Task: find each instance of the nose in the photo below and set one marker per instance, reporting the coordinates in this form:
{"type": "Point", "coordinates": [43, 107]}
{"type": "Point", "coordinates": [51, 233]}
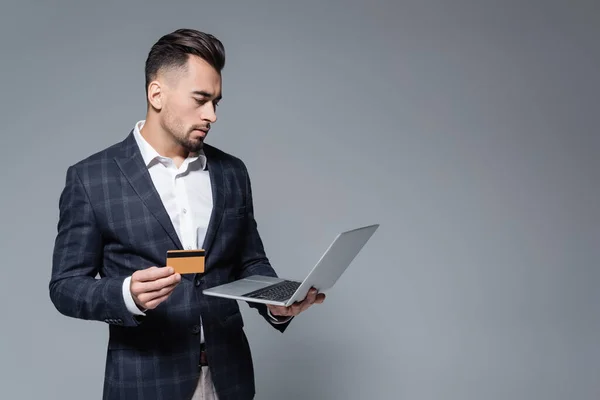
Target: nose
{"type": "Point", "coordinates": [208, 113]}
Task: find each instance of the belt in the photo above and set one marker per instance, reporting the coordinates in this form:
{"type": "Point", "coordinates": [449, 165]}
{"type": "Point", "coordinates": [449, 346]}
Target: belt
{"type": "Point", "coordinates": [203, 358]}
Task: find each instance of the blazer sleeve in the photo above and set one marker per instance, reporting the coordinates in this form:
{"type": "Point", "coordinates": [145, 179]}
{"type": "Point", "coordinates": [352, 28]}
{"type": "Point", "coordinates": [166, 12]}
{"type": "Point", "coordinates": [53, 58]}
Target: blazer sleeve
{"type": "Point", "coordinates": [253, 259]}
{"type": "Point", "coordinates": [77, 259]}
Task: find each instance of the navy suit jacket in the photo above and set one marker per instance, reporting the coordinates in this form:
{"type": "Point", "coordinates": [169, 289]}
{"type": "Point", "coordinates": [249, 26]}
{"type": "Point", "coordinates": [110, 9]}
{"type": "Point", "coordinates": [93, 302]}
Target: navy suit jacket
{"type": "Point", "coordinates": [112, 223]}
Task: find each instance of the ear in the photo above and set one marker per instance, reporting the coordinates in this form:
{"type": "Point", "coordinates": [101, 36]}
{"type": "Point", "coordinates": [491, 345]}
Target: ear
{"type": "Point", "coordinates": [155, 94]}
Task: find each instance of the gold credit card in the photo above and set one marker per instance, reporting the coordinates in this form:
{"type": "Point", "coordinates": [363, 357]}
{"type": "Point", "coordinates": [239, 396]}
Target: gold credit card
{"type": "Point", "coordinates": [186, 261]}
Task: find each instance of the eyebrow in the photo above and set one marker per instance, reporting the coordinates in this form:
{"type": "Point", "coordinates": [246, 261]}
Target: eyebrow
{"type": "Point", "coordinates": [205, 94]}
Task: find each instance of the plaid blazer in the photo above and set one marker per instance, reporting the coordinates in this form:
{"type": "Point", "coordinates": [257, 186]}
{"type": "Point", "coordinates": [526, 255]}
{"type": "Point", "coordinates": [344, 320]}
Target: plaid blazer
{"type": "Point", "coordinates": [112, 223]}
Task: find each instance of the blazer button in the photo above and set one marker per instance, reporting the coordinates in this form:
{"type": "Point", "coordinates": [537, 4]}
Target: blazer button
{"type": "Point", "coordinates": [198, 282]}
{"type": "Point", "coordinates": [196, 329]}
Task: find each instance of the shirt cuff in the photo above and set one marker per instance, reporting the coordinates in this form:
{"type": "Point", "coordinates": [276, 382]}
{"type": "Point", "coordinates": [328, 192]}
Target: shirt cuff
{"type": "Point", "coordinates": [129, 302]}
{"type": "Point", "coordinates": [278, 320]}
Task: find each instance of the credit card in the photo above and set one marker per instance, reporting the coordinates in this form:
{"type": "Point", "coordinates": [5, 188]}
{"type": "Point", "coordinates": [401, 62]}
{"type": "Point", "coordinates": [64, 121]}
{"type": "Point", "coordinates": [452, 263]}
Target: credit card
{"type": "Point", "coordinates": [186, 261]}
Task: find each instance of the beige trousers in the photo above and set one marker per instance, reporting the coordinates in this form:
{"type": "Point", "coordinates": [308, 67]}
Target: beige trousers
{"type": "Point", "coordinates": [205, 389]}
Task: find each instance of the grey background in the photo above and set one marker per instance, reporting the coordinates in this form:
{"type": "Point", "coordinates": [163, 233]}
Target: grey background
{"type": "Point", "coordinates": [469, 130]}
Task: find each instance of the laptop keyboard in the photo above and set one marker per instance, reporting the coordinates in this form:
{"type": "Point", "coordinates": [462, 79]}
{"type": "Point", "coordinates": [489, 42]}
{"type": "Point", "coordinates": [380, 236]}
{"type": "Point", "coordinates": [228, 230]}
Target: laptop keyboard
{"type": "Point", "coordinates": [278, 292]}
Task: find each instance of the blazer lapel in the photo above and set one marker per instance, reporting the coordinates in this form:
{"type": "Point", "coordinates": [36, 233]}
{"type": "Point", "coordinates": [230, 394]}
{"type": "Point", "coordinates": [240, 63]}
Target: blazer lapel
{"type": "Point", "coordinates": [132, 166]}
{"type": "Point", "coordinates": [215, 169]}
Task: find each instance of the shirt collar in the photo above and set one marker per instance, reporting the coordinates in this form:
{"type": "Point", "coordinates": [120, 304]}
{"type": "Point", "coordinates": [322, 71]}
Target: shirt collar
{"type": "Point", "coordinates": [149, 154]}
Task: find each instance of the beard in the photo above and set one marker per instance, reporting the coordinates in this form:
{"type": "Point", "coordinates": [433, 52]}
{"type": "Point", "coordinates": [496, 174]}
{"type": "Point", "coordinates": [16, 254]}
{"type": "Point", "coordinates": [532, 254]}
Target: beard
{"type": "Point", "coordinates": [185, 141]}
{"type": "Point", "coordinates": [181, 135]}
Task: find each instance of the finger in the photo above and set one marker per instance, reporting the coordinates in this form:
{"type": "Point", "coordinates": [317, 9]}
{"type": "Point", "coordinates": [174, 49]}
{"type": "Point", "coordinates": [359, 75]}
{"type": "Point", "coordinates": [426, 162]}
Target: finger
{"type": "Point", "coordinates": [154, 303]}
{"type": "Point", "coordinates": [296, 308]}
{"type": "Point", "coordinates": [305, 305]}
{"type": "Point", "coordinates": [148, 296]}
{"type": "Point", "coordinates": [287, 311]}
{"type": "Point", "coordinates": [152, 286]}
{"type": "Point", "coordinates": [312, 295]}
{"type": "Point", "coordinates": [320, 298]}
{"type": "Point", "coordinates": [152, 274]}
{"type": "Point", "coordinates": [310, 299]}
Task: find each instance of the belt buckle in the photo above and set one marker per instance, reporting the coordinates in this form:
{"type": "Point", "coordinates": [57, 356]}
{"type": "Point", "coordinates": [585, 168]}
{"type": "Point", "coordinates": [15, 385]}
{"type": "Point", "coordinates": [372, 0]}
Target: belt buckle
{"type": "Point", "coordinates": [203, 359]}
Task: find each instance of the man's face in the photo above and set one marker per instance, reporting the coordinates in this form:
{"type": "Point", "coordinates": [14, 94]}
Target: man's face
{"type": "Point", "coordinates": [189, 102]}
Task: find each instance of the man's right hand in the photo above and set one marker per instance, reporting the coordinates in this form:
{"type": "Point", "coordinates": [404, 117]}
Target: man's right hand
{"type": "Point", "coordinates": [151, 286]}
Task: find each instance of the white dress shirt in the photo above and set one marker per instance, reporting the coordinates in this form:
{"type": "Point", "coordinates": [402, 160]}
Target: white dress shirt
{"type": "Point", "coordinates": [186, 194]}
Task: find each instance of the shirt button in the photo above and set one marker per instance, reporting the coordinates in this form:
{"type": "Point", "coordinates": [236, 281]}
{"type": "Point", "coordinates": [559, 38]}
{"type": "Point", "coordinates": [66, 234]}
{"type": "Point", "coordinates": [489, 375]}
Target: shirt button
{"type": "Point", "coordinates": [189, 247]}
{"type": "Point", "coordinates": [184, 211]}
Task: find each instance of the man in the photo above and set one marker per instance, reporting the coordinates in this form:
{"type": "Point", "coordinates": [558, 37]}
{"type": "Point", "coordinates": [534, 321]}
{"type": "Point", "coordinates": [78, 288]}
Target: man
{"type": "Point", "coordinates": [160, 189]}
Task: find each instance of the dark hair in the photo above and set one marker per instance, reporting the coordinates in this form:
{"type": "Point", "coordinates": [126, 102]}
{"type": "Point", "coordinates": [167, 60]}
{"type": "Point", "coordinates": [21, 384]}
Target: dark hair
{"type": "Point", "coordinates": [173, 50]}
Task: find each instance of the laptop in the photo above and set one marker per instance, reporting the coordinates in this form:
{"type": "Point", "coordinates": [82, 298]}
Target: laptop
{"type": "Point", "coordinates": [284, 292]}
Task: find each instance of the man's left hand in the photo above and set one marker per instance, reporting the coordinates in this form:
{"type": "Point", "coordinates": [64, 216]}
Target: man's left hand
{"type": "Point", "coordinates": [311, 298]}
